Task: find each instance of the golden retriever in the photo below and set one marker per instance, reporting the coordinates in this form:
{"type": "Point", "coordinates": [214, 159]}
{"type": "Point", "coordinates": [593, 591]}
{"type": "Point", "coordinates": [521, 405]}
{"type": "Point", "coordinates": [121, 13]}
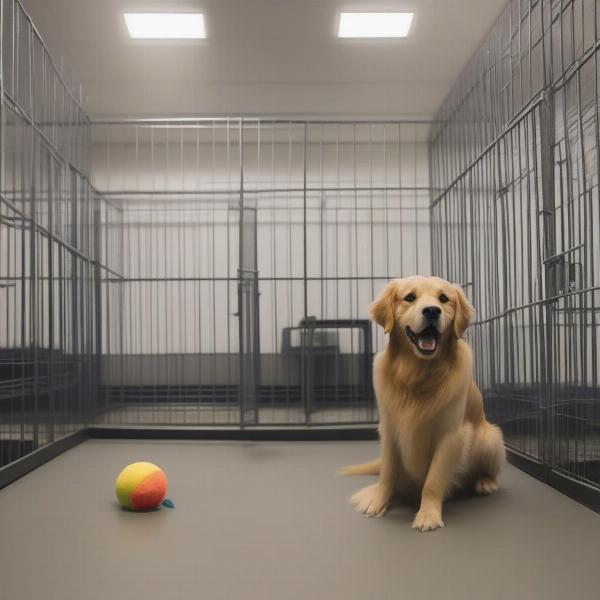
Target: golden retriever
{"type": "Point", "coordinates": [433, 432]}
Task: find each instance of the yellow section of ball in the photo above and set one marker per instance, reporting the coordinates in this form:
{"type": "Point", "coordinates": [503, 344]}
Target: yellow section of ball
{"type": "Point", "coordinates": [129, 478]}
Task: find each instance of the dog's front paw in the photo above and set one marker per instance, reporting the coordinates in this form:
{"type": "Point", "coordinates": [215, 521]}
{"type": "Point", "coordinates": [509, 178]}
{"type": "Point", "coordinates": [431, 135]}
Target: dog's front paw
{"type": "Point", "coordinates": [371, 501]}
{"type": "Point", "coordinates": [428, 520]}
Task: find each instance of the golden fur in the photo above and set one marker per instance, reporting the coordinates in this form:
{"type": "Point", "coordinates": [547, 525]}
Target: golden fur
{"type": "Point", "coordinates": [433, 432]}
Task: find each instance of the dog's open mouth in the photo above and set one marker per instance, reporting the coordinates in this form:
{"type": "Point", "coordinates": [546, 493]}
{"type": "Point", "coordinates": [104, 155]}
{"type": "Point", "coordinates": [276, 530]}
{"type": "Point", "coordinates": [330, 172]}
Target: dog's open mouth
{"type": "Point", "coordinates": [426, 341]}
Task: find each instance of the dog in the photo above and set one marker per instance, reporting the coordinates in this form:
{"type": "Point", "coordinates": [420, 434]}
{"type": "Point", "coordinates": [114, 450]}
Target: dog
{"type": "Point", "coordinates": [434, 436]}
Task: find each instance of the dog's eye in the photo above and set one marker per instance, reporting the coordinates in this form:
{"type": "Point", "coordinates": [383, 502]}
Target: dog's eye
{"type": "Point", "coordinates": [410, 297]}
{"type": "Point", "coordinates": [443, 298]}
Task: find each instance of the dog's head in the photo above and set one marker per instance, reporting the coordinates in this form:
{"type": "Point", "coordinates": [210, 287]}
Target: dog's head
{"type": "Point", "coordinates": [425, 310]}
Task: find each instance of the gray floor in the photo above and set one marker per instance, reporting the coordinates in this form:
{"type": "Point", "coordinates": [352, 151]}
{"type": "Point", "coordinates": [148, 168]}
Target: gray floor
{"type": "Point", "coordinates": [271, 521]}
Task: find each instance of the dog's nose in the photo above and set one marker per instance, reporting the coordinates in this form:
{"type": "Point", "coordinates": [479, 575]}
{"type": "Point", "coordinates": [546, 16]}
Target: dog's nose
{"type": "Point", "coordinates": [431, 313]}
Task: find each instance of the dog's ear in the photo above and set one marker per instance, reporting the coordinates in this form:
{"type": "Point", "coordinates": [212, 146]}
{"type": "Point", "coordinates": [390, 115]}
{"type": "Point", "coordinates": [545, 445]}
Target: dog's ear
{"type": "Point", "coordinates": [464, 312]}
{"type": "Point", "coordinates": [382, 308]}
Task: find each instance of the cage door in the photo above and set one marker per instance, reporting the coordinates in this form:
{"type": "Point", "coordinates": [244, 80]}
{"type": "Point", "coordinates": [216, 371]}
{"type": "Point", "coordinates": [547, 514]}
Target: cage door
{"type": "Point", "coordinates": [248, 318]}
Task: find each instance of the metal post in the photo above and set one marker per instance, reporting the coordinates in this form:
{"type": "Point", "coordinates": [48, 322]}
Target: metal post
{"type": "Point", "coordinates": [97, 370]}
{"type": "Point", "coordinates": [33, 247]}
{"type": "Point", "coordinates": [240, 313]}
{"type": "Point", "coordinates": [307, 360]}
{"type": "Point", "coordinates": [547, 125]}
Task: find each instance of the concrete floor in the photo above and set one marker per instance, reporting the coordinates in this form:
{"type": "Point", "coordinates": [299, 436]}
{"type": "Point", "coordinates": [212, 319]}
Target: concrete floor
{"type": "Point", "coordinates": [271, 521]}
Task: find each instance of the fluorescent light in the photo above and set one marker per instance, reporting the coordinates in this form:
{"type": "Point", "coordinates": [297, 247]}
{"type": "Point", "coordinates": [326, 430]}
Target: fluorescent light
{"type": "Point", "coordinates": [165, 25]}
{"type": "Point", "coordinates": [373, 25]}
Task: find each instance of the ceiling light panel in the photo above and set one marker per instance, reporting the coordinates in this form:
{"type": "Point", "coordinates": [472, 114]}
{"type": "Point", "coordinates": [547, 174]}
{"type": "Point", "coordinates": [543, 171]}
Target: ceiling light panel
{"type": "Point", "coordinates": [374, 25]}
{"type": "Point", "coordinates": [166, 26]}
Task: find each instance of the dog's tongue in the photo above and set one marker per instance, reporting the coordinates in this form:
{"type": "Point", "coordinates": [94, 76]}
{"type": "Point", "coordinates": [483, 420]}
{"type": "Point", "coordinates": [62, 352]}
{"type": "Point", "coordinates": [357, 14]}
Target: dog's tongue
{"type": "Point", "coordinates": [427, 341]}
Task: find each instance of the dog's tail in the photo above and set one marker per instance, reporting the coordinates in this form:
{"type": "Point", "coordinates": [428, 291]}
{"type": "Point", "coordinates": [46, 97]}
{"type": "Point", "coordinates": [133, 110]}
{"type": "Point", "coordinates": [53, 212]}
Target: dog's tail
{"type": "Point", "coordinates": [369, 468]}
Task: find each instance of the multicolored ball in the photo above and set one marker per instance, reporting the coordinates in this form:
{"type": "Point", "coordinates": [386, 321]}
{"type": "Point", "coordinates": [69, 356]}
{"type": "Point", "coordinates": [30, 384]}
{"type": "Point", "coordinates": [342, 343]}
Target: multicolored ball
{"type": "Point", "coordinates": [141, 486]}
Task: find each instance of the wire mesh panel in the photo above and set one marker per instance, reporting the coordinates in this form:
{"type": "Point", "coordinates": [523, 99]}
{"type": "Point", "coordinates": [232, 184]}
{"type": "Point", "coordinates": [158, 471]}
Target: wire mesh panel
{"type": "Point", "coordinates": [249, 252]}
{"type": "Point", "coordinates": [47, 307]}
{"type": "Point", "coordinates": [491, 244]}
{"type": "Point", "coordinates": [575, 267]}
{"type": "Point", "coordinates": [342, 208]}
{"type": "Point", "coordinates": [170, 333]}
{"type": "Point", "coordinates": [515, 219]}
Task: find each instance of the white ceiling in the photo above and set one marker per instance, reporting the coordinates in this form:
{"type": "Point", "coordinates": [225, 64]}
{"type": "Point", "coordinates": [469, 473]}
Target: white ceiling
{"type": "Point", "coordinates": [263, 57]}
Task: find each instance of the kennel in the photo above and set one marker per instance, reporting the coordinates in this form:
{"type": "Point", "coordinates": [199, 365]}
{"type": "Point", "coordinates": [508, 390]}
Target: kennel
{"type": "Point", "coordinates": [246, 251]}
{"type": "Point", "coordinates": [215, 272]}
{"type": "Point", "coordinates": [200, 278]}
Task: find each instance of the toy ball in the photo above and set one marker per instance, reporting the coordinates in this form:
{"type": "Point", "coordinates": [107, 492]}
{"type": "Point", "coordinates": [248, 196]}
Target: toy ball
{"type": "Point", "coordinates": [142, 486]}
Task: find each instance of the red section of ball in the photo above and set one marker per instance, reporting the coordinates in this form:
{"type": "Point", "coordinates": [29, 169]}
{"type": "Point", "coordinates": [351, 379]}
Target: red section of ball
{"type": "Point", "coordinates": [151, 492]}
